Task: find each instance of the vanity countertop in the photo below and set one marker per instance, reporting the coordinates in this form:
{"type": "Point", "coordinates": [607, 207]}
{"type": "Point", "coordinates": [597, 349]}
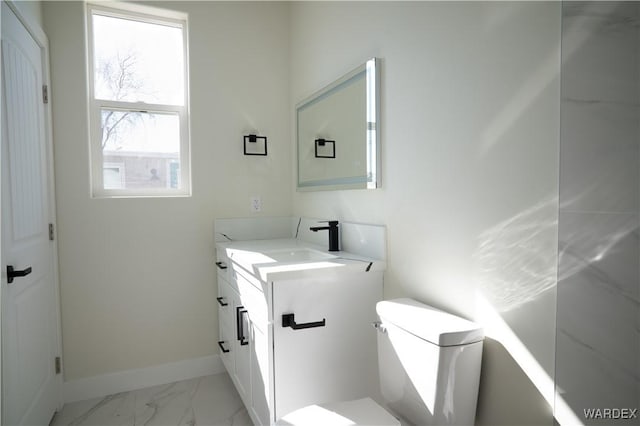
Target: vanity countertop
{"type": "Point", "coordinates": [285, 259]}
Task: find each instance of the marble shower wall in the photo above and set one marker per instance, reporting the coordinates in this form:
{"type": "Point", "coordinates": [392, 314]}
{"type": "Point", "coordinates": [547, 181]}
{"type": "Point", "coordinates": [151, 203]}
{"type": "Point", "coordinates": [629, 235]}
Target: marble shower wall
{"type": "Point", "coordinates": [598, 344]}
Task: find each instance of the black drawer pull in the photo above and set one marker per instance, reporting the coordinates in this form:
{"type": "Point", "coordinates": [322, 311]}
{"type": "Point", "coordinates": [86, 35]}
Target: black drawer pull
{"type": "Point", "coordinates": [288, 320]}
{"type": "Point", "coordinates": [221, 301]}
{"type": "Point", "coordinates": [221, 265]}
{"type": "Point", "coordinates": [222, 348]}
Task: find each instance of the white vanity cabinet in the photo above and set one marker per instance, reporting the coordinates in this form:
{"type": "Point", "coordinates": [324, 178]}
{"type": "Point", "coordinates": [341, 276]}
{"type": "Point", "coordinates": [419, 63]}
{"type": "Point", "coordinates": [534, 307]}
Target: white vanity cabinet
{"type": "Point", "coordinates": [298, 333]}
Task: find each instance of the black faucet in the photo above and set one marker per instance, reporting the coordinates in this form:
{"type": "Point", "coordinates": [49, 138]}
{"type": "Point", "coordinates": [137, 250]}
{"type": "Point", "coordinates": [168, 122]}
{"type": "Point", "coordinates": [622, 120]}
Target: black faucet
{"type": "Point", "coordinates": [333, 234]}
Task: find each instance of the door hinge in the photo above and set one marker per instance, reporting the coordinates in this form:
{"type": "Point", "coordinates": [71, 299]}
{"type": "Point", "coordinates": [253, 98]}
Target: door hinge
{"type": "Point", "coordinates": [45, 94]}
{"type": "Point", "coordinates": [51, 232]}
{"type": "Point", "coordinates": [58, 365]}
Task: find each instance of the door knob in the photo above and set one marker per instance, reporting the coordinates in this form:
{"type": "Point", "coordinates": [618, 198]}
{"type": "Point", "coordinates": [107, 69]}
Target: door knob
{"type": "Point", "coordinates": [12, 273]}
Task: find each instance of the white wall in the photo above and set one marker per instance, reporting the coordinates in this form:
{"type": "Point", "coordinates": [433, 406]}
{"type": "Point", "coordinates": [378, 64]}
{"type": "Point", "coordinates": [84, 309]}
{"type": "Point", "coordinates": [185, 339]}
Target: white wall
{"type": "Point", "coordinates": [137, 275]}
{"type": "Point", "coordinates": [470, 140]}
{"type": "Point", "coordinates": [31, 10]}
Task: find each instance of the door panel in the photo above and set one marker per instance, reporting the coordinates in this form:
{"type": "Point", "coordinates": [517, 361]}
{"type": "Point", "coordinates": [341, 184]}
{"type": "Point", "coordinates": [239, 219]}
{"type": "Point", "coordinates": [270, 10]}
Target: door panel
{"type": "Point", "coordinates": [29, 313]}
{"type": "Point", "coordinates": [339, 358]}
{"type": "Point", "coordinates": [24, 140]}
{"type": "Point", "coordinates": [242, 354]}
{"type": "Point", "coordinates": [259, 374]}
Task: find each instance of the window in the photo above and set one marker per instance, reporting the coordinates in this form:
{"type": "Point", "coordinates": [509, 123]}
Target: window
{"type": "Point", "coordinates": [138, 103]}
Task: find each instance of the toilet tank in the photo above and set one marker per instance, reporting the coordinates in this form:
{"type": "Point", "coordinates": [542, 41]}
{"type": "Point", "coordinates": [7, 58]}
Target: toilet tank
{"type": "Point", "coordinates": [429, 363]}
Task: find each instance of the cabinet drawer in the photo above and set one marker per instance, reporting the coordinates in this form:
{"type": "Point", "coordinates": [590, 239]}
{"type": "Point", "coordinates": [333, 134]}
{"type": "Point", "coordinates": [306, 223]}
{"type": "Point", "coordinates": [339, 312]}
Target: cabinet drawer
{"type": "Point", "coordinates": [222, 263]}
{"type": "Point", "coordinates": [224, 300]}
{"type": "Point", "coordinates": [237, 274]}
{"type": "Point", "coordinates": [254, 301]}
{"type": "Point", "coordinates": [226, 345]}
{"type": "Point", "coordinates": [229, 280]}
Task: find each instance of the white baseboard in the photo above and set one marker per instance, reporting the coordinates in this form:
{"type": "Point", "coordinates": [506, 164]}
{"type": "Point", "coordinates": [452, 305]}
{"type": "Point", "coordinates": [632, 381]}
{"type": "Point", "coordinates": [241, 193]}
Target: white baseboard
{"type": "Point", "coordinates": [124, 381]}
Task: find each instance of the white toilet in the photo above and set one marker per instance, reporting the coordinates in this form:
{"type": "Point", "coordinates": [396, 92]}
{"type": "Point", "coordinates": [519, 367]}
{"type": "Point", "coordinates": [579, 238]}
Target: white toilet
{"type": "Point", "coordinates": [429, 363]}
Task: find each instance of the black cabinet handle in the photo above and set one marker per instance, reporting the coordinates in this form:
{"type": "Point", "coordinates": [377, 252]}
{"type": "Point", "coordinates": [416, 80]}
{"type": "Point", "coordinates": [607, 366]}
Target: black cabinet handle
{"type": "Point", "coordinates": [12, 273]}
{"type": "Point", "coordinates": [222, 348]}
{"type": "Point", "coordinates": [221, 301]}
{"type": "Point", "coordinates": [288, 320]}
{"type": "Point", "coordinates": [240, 310]}
{"type": "Point", "coordinates": [221, 265]}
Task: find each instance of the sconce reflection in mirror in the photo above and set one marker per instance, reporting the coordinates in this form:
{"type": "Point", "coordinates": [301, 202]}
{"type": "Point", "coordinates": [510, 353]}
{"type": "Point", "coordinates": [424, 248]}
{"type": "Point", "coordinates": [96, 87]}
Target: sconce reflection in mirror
{"type": "Point", "coordinates": [325, 148]}
{"type": "Point", "coordinates": [255, 145]}
{"type": "Point", "coordinates": [345, 111]}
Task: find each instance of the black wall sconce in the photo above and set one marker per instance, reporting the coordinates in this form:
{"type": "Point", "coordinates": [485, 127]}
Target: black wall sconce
{"type": "Point", "coordinates": [257, 145]}
{"type": "Point", "coordinates": [325, 148]}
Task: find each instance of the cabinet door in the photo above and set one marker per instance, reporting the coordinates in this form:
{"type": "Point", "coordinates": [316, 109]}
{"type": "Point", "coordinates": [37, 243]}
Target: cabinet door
{"type": "Point", "coordinates": [242, 351]}
{"type": "Point", "coordinates": [332, 362]}
{"type": "Point", "coordinates": [260, 374]}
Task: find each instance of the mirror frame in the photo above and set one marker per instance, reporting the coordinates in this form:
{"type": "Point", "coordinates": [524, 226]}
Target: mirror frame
{"type": "Point", "coordinates": [372, 179]}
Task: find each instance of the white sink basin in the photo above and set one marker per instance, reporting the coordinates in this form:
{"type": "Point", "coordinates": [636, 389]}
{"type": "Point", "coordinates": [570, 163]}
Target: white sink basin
{"type": "Point", "coordinates": [291, 259]}
{"type": "Point", "coordinates": [298, 255]}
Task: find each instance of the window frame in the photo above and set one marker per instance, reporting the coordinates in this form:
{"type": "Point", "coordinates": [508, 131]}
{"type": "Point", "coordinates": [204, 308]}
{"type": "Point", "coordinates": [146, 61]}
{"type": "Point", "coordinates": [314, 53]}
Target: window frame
{"type": "Point", "coordinates": [150, 15]}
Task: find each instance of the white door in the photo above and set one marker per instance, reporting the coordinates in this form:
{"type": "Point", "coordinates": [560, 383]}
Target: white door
{"type": "Point", "coordinates": [30, 389]}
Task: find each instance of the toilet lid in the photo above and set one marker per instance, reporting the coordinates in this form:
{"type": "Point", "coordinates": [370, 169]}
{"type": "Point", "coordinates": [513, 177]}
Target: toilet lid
{"type": "Point", "coordinates": [429, 323]}
{"type": "Point", "coordinates": [363, 411]}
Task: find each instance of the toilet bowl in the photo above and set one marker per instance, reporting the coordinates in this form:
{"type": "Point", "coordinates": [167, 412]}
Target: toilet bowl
{"type": "Point", "coordinates": [429, 365]}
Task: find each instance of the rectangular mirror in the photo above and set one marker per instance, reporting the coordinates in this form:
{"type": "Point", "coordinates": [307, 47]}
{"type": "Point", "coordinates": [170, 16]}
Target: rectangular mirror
{"type": "Point", "coordinates": [338, 133]}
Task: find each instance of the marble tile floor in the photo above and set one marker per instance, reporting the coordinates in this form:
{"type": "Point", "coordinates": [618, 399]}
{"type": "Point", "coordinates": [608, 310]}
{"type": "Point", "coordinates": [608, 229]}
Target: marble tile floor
{"type": "Point", "coordinates": [205, 401]}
